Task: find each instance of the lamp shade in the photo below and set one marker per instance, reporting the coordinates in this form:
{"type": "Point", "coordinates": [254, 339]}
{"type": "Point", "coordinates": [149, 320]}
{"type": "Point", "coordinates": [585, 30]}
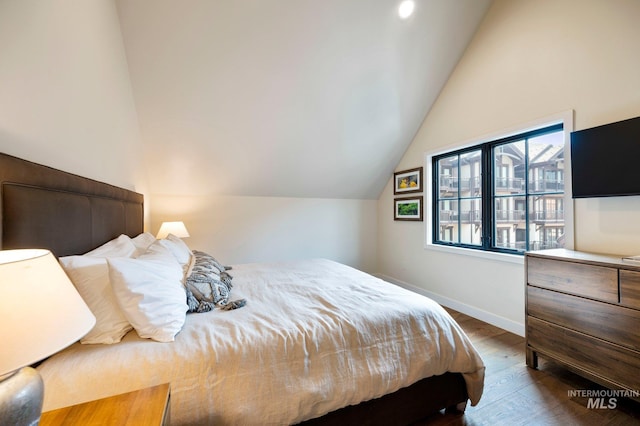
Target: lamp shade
{"type": "Point", "coordinates": [176, 228]}
{"type": "Point", "coordinates": [40, 310]}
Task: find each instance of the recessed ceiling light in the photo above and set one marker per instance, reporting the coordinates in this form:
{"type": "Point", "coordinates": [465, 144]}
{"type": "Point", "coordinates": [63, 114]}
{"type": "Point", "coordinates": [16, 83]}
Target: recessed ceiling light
{"type": "Point", "coordinates": [406, 8]}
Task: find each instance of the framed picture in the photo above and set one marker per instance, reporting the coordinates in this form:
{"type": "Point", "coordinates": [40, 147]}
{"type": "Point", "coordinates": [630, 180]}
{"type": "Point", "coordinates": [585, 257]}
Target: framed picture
{"type": "Point", "coordinates": [407, 181]}
{"type": "Point", "coordinates": [408, 208]}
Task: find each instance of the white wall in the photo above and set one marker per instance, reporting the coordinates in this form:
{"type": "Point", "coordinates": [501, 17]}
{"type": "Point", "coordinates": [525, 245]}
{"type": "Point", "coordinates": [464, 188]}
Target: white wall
{"type": "Point", "coordinates": [66, 101]}
{"type": "Point", "coordinates": [65, 95]}
{"type": "Point", "coordinates": [286, 98]}
{"type": "Point", "coordinates": [529, 59]}
{"type": "Point", "coordinates": [240, 130]}
{"type": "Point", "coordinates": [250, 229]}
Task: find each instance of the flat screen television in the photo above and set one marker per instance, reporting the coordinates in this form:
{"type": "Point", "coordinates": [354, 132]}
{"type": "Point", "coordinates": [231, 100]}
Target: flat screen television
{"type": "Point", "coordinates": [605, 160]}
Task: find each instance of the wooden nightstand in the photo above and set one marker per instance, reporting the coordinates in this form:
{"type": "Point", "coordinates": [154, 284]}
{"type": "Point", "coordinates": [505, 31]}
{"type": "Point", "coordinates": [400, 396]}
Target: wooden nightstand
{"type": "Point", "coordinates": [143, 407]}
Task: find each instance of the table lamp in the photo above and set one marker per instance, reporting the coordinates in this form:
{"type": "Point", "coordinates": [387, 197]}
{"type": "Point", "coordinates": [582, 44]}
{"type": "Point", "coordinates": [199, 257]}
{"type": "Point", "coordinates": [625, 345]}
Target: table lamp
{"type": "Point", "coordinates": [176, 228]}
{"type": "Point", "coordinates": [40, 313]}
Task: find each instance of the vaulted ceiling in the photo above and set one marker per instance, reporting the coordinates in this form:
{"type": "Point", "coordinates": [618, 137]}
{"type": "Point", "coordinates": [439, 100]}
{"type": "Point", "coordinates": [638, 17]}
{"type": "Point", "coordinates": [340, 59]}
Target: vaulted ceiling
{"type": "Point", "coordinates": [292, 98]}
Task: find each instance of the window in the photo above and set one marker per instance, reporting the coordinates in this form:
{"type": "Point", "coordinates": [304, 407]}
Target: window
{"type": "Point", "coordinates": [505, 195]}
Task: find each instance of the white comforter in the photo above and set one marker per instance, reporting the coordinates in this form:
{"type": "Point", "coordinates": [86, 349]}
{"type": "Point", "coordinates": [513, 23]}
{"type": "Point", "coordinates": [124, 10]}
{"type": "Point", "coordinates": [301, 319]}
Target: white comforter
{"type": "Point", "coordinates": [314, 336]}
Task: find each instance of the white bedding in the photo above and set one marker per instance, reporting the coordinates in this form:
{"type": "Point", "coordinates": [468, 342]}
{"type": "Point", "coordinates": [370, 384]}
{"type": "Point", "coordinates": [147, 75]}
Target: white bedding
{"type": "Point", "coordinates": [314, 336]}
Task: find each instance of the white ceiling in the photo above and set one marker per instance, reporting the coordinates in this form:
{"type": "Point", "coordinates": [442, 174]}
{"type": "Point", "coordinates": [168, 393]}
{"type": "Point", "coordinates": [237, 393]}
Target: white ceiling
{"type": "Point", "coordinates": [293, 98]}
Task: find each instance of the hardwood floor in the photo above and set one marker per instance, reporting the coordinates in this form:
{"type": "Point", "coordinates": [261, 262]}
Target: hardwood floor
{"type": "Point", "coordinates": [517, 395]}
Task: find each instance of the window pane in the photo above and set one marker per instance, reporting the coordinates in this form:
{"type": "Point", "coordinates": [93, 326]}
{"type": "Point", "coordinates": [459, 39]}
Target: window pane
{"type": "Point", "coordinates": [510, 223]}
{"type": "Point", "coordinates": [520, 179]}
{"type": "Point", "coordinates": [509, 168]}
{"type": "Point", "coordinates": [546, 222]}
{"type": "Point", "coordinates": [448, 221]}
{"type": "Point", "coordinates": [448, 177]}
{"type": "Point", "coordinates": [471, 221]}
{"type": "Point", "coordinates": [471, 174]}
{"type": "Point", "coordinates": [546, 163]}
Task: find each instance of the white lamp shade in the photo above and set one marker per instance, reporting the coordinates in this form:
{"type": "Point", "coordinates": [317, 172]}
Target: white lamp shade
{"type": "Point", "coordinates": [41, 312]}
{"type": "Point", "coordinates": [176, 228]}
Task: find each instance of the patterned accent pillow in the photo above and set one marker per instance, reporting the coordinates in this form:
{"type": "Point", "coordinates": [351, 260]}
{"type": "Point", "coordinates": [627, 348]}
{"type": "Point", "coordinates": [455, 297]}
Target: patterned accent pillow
{"type": "Point", "coordinates": [211, 261]}
{"type": "Point", "coordinates": [209, 285]}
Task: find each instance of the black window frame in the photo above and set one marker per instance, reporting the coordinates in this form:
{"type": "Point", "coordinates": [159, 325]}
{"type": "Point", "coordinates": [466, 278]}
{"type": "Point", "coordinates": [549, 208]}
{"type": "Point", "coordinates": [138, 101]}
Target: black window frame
{"type": "Point", "coordinates": [488, 225]}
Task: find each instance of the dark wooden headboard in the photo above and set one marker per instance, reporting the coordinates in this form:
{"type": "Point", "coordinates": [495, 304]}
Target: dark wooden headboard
{"type": "Point", "coordinates": [41, 207]}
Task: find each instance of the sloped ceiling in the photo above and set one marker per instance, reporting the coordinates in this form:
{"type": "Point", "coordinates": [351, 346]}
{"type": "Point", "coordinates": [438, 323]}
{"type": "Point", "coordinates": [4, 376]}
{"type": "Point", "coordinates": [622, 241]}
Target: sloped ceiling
{"type": "Point", "coordinates": [293, 98]}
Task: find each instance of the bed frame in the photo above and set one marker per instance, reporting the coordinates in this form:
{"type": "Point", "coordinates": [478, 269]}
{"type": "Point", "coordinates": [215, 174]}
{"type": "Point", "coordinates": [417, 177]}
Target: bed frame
{"type": "Point", "coordinates": [41, 207]}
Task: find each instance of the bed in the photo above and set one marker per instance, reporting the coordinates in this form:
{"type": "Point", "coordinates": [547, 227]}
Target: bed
{"type": "Point", "coordinates": [318, 342]}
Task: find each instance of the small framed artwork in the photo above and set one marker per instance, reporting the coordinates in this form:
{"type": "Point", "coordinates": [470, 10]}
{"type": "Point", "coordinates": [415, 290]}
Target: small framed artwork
{"type": "Point", "coordinates": [407, 181]}
{"type": "Point", "coordinates": [408, 208]}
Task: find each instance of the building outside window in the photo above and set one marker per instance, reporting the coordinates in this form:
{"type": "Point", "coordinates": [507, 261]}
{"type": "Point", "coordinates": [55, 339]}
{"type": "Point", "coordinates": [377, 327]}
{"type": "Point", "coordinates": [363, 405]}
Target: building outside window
{"type": "Point", "coordinates": [505, 195]}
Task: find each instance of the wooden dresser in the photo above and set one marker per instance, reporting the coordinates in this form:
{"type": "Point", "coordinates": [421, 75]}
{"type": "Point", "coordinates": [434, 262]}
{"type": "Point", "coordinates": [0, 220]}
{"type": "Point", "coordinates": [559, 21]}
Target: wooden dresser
{"type": "Point", "coordinates": [583, 311]}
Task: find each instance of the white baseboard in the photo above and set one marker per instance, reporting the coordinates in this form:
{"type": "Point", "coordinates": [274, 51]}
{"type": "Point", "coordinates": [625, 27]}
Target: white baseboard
{"type": "Point", "coordinates": [482, 315]}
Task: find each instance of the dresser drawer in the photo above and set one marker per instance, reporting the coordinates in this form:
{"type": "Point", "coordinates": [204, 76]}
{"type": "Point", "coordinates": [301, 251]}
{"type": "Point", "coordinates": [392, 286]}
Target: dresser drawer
{"type": "Point", "coordinates": [630, 288]}
{"type": "Point", "coordinates": [608, 322]}
{"type": "Point", "coordinates": [596, 282]}
{"type": "Point", "coordinates": [614, 364]}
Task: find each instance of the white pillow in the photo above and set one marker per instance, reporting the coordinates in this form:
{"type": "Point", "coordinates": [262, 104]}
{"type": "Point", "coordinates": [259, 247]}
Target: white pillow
{"type": "Point", "coordinates": [90, 275]}
{"type": "Point", "coordinates": [118, 247]}
{"type": "Point", "coordinates": [142, 242]}
{"type": "Point", "coordinates": [149, 291]}
{"type": "Point", "coordinates": [181, 252]}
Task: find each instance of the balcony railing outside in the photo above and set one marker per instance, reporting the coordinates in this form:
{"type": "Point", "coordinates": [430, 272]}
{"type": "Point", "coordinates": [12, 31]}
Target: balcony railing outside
{"type": "Point", "coordinates": [509, 184]}
{"type": "Point", "coordinates": [452, 216]}
{"type": "Point", "coordinates": [546, 216]}
{"type": "Point", "coordinates": [546, 185]}
{"type": "Point", "coordinates": [533, 245]}
{"type": "Point", "coordinates": [510, 215]}
{"type": "Point", "coordinates": [449, 184]}
{"type": "Point", "coordinates": [502, 216]}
